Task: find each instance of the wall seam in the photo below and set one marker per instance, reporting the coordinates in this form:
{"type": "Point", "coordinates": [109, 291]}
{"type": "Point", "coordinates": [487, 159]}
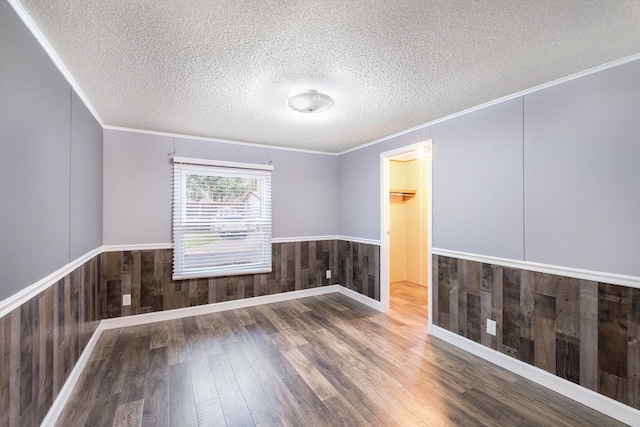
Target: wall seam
{"type": "Point", "coordinates": [70, 168]}
{"type": "Point", "coordinates": [524, 234]}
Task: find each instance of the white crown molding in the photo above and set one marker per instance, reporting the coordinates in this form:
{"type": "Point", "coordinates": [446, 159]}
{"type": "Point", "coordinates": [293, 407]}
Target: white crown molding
{"type": "Point", "coordinates": [360, 240]}
{"type": "Point", "coordinates": [48, 48]}
{"type": "Point", "coordinates": [70, 383]}
{"type": "Point", "coordinates": [222, 141]}
{"type": "Point", "coordinates": [596, 276]}
{"type": "Point", "coordinates": [16, 300]}
{"type": "Point", "coordinates": [524, 92]}
{"type": "Point", "coordinates": [607, 406]}
{"type": "Point", "coordinates": [32, 27]}
{"type": "Point", "coordinates": [142, 247]}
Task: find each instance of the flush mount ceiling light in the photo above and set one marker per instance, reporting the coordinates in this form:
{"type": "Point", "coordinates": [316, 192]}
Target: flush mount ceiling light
{"type": "Point", "coordinates": [310, 102]}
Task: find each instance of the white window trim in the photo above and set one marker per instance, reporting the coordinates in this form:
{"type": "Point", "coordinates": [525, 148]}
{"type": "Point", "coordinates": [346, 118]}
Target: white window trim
{"type": "Point", "coordinates": [221, 163]}
{"type": "Point", "coordinates": [178, 245]}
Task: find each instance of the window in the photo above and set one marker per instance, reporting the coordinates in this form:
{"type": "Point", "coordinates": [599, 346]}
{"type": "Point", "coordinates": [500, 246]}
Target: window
{"type": "Point", "coordinates": [221, 218]}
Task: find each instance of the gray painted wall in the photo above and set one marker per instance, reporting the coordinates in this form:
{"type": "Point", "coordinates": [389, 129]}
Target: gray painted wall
{"type": "Point", "coordinates": [137, 188]}
{"type": "Point", "coordinates": [359, 193]}
{"type": "Point", "coordinates": [304, 185]}
{"type": "Point", "coordinates": [551, 177]}
{"type": "Point", "coordinates": [138, 174]}
{"type": "Point", "coordinates": [577, 191]}
{"type": "Point", "coordinates": [582, 173]}
{"type": "Point", "coordinates": [359, 185]}
{"type": "Point", "coordinates": [477, 182]}
{"type": "Point", "coordinates": [86, 180]}
{"type": "Point", "coordinates": [37, 166]}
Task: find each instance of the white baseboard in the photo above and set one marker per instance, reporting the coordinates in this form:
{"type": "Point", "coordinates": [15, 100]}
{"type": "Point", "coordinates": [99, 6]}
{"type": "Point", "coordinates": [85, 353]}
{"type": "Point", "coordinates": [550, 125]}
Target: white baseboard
{"type": "Point", "coordinates": [70, 383]}
{"type": "Point", "coordinates": [141, 319]}
{"type": "Point", "coordinates": [360, 298]}
{"type": "Point", "coordinates": [607, 406]}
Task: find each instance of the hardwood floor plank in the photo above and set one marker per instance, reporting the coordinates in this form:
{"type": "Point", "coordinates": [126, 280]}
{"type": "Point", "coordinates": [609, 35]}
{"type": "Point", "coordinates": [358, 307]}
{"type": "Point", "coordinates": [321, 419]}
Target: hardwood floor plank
{"type": "Point", "coordinates": [306, 369]}
{"type": "Point", "coordinates": [344, 412]}
{"type": "Point", "coordinates": [204, 387]}
{"type": "Point", "coordinates": [135, 370]}
{"type": "Point", "coordinates": [255, 396]}
{"type": "Point", "coordinates": [290, 412]}
{"type": "Point", "coordinates": [210, 413]}
{"type": "Point", "coordinates": [305, 397]}
{"type": "Point", "coordinates": [182, 408]}
{"type": "Point", "coordinates": [276, 422]}
{"type": "Point", "coordinates": [347, 389]}
{"type": "Point", "coordinates": [102, 411]}
{"type": "Point", "coordinates": [129, 414]}
{"type": "Point", "coordinates": [233, 404]}
{"type": "Point", "coordinates": [155, 411]}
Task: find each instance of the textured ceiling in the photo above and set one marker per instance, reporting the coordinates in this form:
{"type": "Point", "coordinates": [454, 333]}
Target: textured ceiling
{"type": "Point", "coordinates": [224, 69]}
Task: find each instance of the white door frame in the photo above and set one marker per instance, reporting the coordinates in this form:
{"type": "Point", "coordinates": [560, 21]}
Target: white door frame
{"type": "Point", "coordinates": [384, 221]}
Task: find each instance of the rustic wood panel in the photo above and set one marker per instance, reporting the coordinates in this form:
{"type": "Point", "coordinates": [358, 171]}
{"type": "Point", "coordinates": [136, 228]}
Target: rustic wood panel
{"type": "Point", "coordinates": [359, 266]}
{"type": "Point", "coordinates": [295, 265]}
{"type": "Point", "coordinates": [583, 331]}
{"type": "Point", "coordinates": [568, 358]}
{"type": "Point", "coordinates": [435, 274]}
{"type": "Point", "coordinates": [511, 314]}
{"type": "Point", "coordinates": [614, 303]}
{"type": "Point", "coordinates": [496, 306]}
{"type": "Point", "coordinates": [589, 334]}
{"type": "Point", "coordinates": [41, 341]}
{"type": "Point", "coordinates": [568, 307]}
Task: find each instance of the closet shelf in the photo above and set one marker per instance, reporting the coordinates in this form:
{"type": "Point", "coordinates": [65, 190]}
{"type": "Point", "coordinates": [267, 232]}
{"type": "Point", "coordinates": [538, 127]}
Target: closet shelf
{"type": "Point", "coordinates": [406, 194]}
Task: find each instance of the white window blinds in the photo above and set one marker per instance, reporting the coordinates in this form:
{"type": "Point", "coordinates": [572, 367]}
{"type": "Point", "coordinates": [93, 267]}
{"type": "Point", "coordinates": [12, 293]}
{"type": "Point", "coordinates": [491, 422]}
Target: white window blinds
{"type": "Point", "coordinates": [221, 218]}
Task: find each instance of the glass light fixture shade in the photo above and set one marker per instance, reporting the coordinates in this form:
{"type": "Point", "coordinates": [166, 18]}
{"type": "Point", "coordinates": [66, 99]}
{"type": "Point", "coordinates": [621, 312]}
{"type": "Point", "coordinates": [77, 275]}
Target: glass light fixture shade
{"type": "Point", "coordinates": [310, 101]}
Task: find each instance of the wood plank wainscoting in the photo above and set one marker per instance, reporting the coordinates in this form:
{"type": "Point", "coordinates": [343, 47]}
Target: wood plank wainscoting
{"type": "Point", "coordinates": [580, 330]}
{"type": "Point", "coordinates": [42, 339]}
{"type": "Point", "coordinates": [146, 275]}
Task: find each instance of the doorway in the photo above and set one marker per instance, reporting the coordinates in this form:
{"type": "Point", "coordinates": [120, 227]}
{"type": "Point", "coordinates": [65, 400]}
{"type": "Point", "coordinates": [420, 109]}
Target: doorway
{"type": "Point", "coordinates": [405, 255]}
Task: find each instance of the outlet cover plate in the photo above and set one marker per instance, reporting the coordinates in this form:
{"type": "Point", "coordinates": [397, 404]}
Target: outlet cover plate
{"type": "Point", "coordinates": [328, 274]}
{"type": "Point", "coordinates": [126, 299]}
{"type": "Point", "coordinates": [491, 327]}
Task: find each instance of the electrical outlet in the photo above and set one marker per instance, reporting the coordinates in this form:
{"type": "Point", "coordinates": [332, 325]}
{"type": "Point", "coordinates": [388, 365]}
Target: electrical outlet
{"type": "Point", "coordinates": [491, 327]}
{"type": "Point", "coordinates": [126, 299]}
{"type": "Point", "coordinates": [328, 274]}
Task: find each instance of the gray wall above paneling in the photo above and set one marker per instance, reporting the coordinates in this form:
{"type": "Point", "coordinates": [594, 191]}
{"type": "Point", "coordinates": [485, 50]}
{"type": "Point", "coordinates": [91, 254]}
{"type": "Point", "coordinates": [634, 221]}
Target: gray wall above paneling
{"type": "Point", "coordinates": [138, 180]}
{"type": "Point", "coordinates": [304, 190]}
{"type": "Point", "coordinates": [304, 185]}
{"type": "Point", "coordinates": [359, 193]}
{"type": "Point", "coordinates": [35, 113]}
{"type": "Point", "coordinates": [477, 182]}
{"type": "Point", "coordinates": [582, 179]}
{"type": "Point", "coordinates": [359, 185]}
{"type": "Point", "coordinates": [137, 188]}
{"type": "Point", "coordinates": [50, 167]}
{"type": "Point", "coordinates": [86, 180]}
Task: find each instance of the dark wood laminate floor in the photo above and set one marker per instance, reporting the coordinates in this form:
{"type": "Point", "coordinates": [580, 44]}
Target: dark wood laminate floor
{"type": "Point", "coordinates": [319, 361]}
